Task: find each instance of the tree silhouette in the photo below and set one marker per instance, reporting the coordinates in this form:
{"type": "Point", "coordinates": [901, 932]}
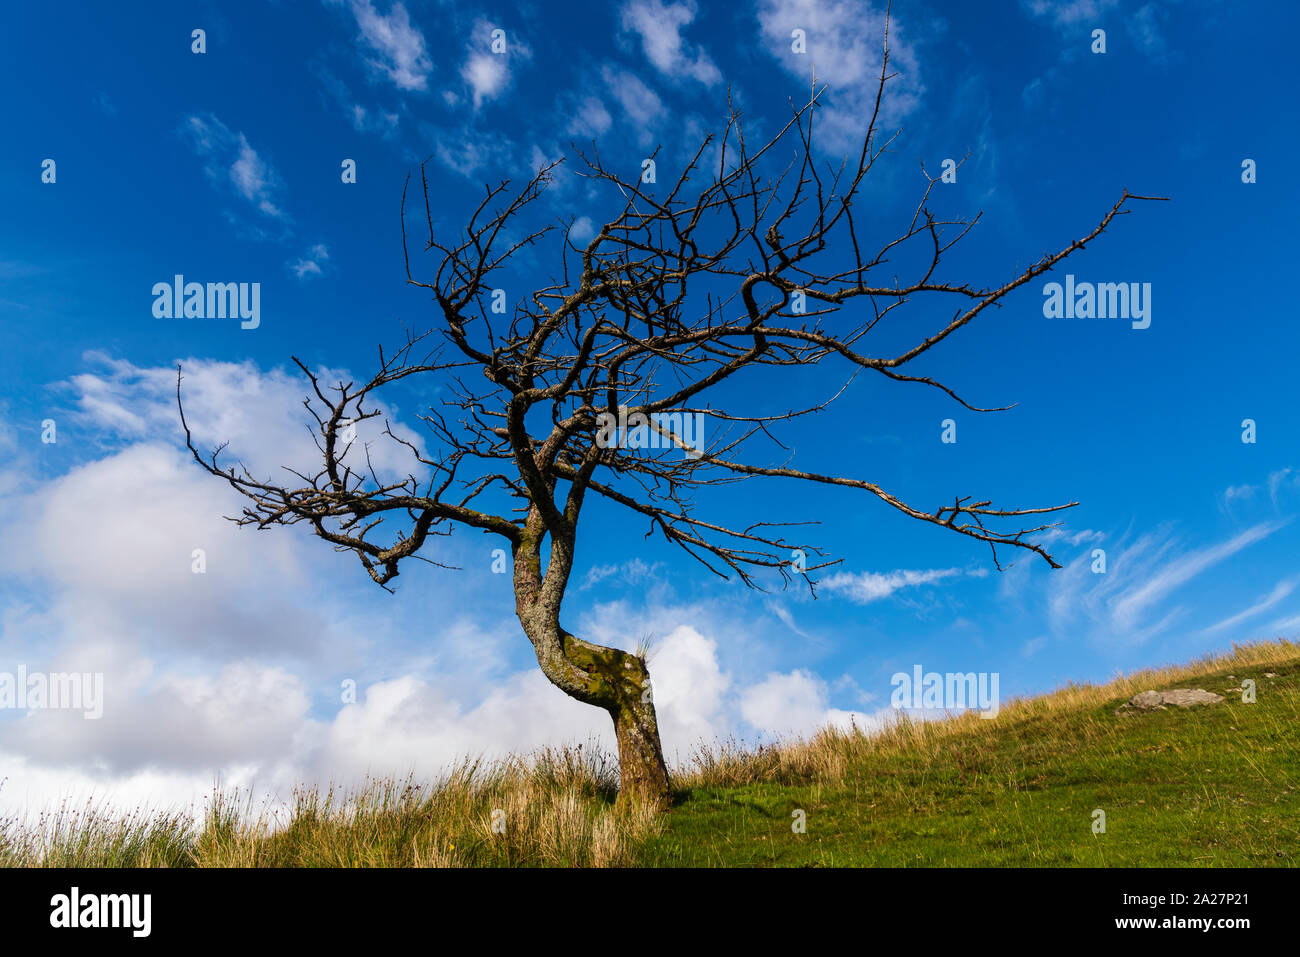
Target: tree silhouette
{"type": "Point", "coordinates": [588, 387]}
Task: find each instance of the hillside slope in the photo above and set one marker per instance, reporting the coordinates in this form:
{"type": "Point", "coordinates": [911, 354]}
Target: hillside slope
{"type": "Point", "coordinates": [1211, 786]}
{"type": "Point", "coordinates": [1214, 786]}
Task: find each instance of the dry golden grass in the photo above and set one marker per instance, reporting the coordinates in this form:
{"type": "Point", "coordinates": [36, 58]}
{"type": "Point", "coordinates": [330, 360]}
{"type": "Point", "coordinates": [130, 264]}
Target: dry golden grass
{"type": "Point", "coordinates": [555, 808]}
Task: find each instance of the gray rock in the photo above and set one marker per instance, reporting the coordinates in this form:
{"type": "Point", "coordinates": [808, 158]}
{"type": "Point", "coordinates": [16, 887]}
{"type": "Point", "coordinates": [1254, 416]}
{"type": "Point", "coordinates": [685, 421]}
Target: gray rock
{"type": "Point", "coordinates": [1176, 697]}
{"type": "Point", "coordinates": [1147, 701]}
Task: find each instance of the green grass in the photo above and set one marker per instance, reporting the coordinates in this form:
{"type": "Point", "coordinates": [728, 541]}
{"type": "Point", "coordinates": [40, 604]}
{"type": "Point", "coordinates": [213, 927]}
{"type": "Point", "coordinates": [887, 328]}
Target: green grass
{"type": "Point", "coordinates": [1215, 786]}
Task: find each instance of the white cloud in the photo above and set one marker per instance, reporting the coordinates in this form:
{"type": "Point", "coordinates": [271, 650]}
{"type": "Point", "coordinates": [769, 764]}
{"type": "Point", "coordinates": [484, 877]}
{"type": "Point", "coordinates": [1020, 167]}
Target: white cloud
{"type": "Point", "coordinates": [409, 725]}
{"type": "Point", "coordinates": [845, 40]}
{"type": "Point", "coordinates": [784, 615]}
{"type": "Point", "coordinates": [659, 25]}
{"type": "Point", "coordinates": [1080, 17]}
{"type": "Point", "coordinates": [1280, 591]}
{"type": "Point", "coordinates": [640, 104]}
{"type": "Point", "coordinates": [488, 72]}
{"type": "Point", "coordinates": [1085, 536]}
{"type": "Point", "coordinates": [259, 413]}
{"type": "Point", "coordinates": [1131, 605]}
{"type": "Point", "coordinates": [363, 119]}
{"type": "Point", "coordinates": [1286, 627]}
{"type": "Point", "coordinates": [373, 121]}
{"type": "Point", "coordinates": [590, 118]}
{"type": "Point", "coordinates": [243, 714]}
{"type": "Point", "coordinates": [796, 704]}
{"type": "Point", "coordinates": [230, 158]}
{"type": "Point", "coordinates": [1234, 492]}
{"type": "Point", "coordinates": [397, 44]}
{"type": "Point", "coordinates": [233, 675]}
{"type": "Point", "coordinates": [866, 587]}
{"type": "Point", "coordinates": [1136, 596]}
{"type": "Point", "coordinates": [690, 689]}
{"type": "Point", "coordinates": [167, 737]}
{"type": "Point", "coordinates": [634, 571]}
{"type": "Point", "coordinates": [249, 174]}
{"type": "Point", "coordinates": [582, 229]}
{"type": "Point", "coordinates": [310, 264]}
{"type": "Point", "coordinates": [1282, 480]}
{"type": "Point", "coordinates": [1278, 481]}
{"type": "Point", "coordinates": [147, 502]}
{"type": "Point", "coordinates": [467, 151]}
{"type": "Point", "coordinates": [1069, 13]}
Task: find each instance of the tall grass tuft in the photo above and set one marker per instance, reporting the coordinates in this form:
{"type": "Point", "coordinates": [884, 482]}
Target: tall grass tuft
{"type": "Point", "coordinates": [555, 808]}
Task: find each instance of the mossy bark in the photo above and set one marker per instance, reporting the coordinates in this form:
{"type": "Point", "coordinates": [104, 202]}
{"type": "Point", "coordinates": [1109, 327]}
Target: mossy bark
{"type": "Point", "coordinates": [643, 775]}
{"type": "Point", "coordinates": [609, 678]}
{"type": "Point", "coordinates": [619, 683]}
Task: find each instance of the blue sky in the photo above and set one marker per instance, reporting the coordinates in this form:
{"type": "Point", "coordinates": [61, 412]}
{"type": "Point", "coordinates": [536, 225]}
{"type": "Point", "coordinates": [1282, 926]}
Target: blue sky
{"type": "Point", "coordinates": [225, 166]}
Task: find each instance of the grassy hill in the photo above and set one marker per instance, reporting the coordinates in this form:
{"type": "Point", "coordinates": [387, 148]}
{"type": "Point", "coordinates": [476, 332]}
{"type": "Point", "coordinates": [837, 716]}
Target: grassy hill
{"type": "Point", "coordinates": [1213, 786]}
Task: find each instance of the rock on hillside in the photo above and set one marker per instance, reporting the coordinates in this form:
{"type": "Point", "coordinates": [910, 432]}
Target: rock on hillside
{"type": "Point", "coordinates": [1175, 698]}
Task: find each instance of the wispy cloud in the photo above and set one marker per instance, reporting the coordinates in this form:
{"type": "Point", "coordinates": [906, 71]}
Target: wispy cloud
{"type": "Point", "coordinates": [1133, 603]}
{"type": "Point", "coordinates": [866, 587]}
{"type": "Point", "coordinates": [1286, 627]}
{"type": "Point", "coordinates": [641, 105]}
{"type": "Point", "coordinates": [312, 264]}
{"type": "Point", "coordinates": [1144, 28]}
{"type": "Point", "coordinates": [1280, 591]}
{"type": "Point", "coordinates": [465, 151]}
{"type": "Point", "coordinates": [845, 42]}
{"type": "Point", "coordinates": [1068, 13]}
{"type": "Point", "coordinates": [230, 160]}
{"type": "Point", "coordinates": [364, 119]}
{"type": "Point", "coordinates": [659, 25]}
{"type": "Point", "coordinates": [1235, 493]}
{"type": "Point", "coordinates": [589, 118]}
{"type": "Point", "coordinates": [1278, 483]}
{"type": "Point", "coordinates": [1282, 479]}
{"type": "Point", "coordinates": [632, 572]}
{"type": "Point", "coordinates": [397, 49]}
{"type": "Point", "coordinates": [1130, 601]}
{"type": "Point", "coordinates": [786, 618]}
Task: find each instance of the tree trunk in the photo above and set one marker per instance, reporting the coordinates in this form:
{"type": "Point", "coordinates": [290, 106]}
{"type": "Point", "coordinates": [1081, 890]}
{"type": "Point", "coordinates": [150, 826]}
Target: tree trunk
{"type": "Point", "coordinates": [619, 683]}
{"type": "Point", "coordinates": [642, 773]}
{"type": "Point", "coordinates": [608, 678]}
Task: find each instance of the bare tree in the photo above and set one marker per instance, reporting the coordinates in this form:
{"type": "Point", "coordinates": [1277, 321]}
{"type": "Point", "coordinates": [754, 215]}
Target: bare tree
{"type": "Point", "coordinates": [526, 437]}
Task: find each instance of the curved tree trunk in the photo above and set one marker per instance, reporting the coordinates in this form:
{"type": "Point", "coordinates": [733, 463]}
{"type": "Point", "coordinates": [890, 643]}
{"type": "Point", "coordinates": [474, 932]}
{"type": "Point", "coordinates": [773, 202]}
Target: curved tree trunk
{"type": "Point", "coordinates": [619, 683]}
{"type": "Point", "coordinates": [608, 678]}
